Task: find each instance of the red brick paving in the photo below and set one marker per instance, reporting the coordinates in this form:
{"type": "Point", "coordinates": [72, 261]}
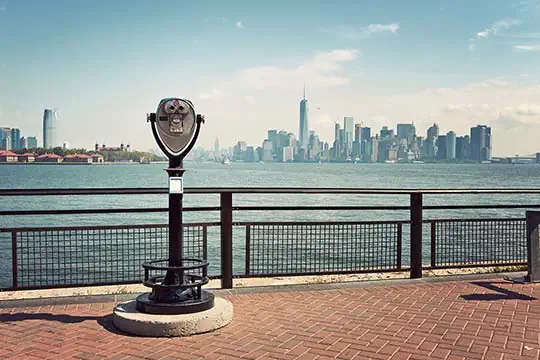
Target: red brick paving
{"type": "Point", "coordinates": [484, 319]}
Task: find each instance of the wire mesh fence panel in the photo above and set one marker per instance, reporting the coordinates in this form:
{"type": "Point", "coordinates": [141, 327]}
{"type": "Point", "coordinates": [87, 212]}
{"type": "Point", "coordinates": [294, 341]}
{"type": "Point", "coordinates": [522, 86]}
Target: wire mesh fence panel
{"type": "Point", "coordinates": [478, 242]}
{"type": "Point", "coordinates": [306, 248]}
{"type": "Point", "coordinates": [95, 255]}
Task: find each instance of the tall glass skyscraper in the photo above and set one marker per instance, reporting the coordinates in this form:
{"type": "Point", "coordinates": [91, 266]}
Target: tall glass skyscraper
{"type": "Point", "coordinates": [50, 117]}
{"type": "Point", "coordinates": [450, 145]}
{"type": "Point", "coordinates": [481, 143]}
{"type": "Point", "coordinates": [15, 138]}
{"type": "Point", "coordinates": [348, 126]}
{"type": "Point", "coordinates": [4, 133]}
{"type": "Point", "coordinates": [304, 126]}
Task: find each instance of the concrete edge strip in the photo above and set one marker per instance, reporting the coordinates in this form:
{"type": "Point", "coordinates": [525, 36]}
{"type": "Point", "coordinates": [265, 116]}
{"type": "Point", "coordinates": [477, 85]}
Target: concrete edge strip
{"type": "Point", "coordinates": [115, 298]}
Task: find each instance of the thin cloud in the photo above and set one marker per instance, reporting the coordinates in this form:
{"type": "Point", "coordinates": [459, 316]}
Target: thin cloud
{"type": "Point", "coordinates": [495, 29]}
{"type": "Point", "coordinates": [523, 110]}
{"type": "Point", "coordinates": [239, 25]}
{"type": "Point", "coordinates": [214, 94]}
{"type": "Point", "coordinates": [217, 19]}
{"type": "Point", "coordinates": [378, 28]}
{"type": "Point", "coordinates": [456, 108]}
{"type": "Point", "coordinates": [353, 32]}
{"type": "Point", "coordinates": [530, 35]}
{"type": "Point", "coordinates": [324, 70]}
{"type": "Point", "coordinates": [527, 48]}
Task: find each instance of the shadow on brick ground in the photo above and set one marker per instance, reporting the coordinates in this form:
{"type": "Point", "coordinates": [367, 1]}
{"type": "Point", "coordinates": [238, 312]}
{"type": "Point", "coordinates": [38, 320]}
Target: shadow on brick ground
{"type": "Point", "coordinates": [104, 321]}
{"type": "Point", "coordinates": [500, 293]}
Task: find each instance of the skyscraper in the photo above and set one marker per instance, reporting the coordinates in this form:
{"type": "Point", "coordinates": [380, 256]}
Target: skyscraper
{"type": "Point", "coordinates": [406, 131]}
{"type": "Point", "coordinates": [357, 144]}
{"type": "Point", "coordinates": [441, 147]}
{"type": "Point", "coordinates": [5, 144]}
{"type": "Point", "coordinates": [267, 151]}
{"type": "Point", "coordinates": [431, 138]}
{"type": "Point", "coordinates": [348, 126]}
{"type": "Point", "coordinates": [463, 147]}
{"type": "Point", "coordinates": [50, 117]}
{"type": "Point", "coordinates": [357, 132]}
{"type": "Point", "coordinates": [3, 133]}
{"type": "Point", "coordinates": [283, 140]}
{"type": "Point", "coordinates": [450, 145]}
{"type": "Point", "coordinates": [386, 133]}
{"type": "Point", "coordinates": [304, 126]}
{"type": "Point", "coordinates": [336, 132]}
{"type": "Point", "coordinates": [31, 142]}
{"type": "Point", "coordinates": [341, 138]}
{"type": "Point", "coordinates": [273, 137]}
{"type": "Point", "coordinates": [373, 148]}
{"type": "Point", "coordinates": [337, 144]}
{"type": "Point", "coordinates": [15, 138]}
{"type": "Point", "coordinates": [481, 143]}
{"type": "Point", "coordinates": [291, 140]}
{"type": "Point", "coordinates": [365, 136]}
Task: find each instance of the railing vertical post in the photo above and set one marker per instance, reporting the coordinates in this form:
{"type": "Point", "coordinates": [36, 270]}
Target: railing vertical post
{"type": "Point", "coordinates": [416, 235]}
{"type": "Point", "coordinates": [248, 250]}
{"type": "Point", "coordinates": [433, 245]}
{"type": "Point", "coordinates": [14, 271]}
{"type": "Point", "coordinates": [226, 240]}
{"type": "Point", "coordinates": [399, 246]}
{"type": "Point", "coordinates": [205, 242]}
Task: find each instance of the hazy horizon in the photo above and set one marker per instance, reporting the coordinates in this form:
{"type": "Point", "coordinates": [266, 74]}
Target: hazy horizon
{"type": "Point", "coordinates": [105, 65]}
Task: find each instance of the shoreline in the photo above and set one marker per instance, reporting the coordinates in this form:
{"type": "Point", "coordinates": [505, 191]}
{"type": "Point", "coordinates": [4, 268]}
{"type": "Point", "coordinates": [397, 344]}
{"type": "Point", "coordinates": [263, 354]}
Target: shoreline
{"type": "Point", "coordinates": [271, 163]}
{"type": "Point", "coordinates": [84, 164]}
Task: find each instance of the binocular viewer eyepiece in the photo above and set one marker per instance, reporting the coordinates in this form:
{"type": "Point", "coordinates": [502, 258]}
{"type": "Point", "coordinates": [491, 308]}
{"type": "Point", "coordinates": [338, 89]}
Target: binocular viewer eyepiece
{"type": "Point", "coordinates": [175, 126]}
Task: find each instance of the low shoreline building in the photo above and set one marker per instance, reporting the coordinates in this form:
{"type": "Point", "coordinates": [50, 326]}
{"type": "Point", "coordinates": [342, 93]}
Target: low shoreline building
{"type": "Point", "coordinates": [97, 158]}
{"type": "Point", "coordinates": [78, 159]}
{"type": "Point", "coordinates": [7, 156]}
{"type": "Point", "coordinates": [49, 158]}
{"type": "Point", "coordinates": [27, 158]}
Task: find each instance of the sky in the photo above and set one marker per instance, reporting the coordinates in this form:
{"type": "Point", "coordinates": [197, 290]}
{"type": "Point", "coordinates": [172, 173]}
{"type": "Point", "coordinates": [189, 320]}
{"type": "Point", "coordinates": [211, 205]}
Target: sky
{"type": "Point", "coordinates": [106, 64]}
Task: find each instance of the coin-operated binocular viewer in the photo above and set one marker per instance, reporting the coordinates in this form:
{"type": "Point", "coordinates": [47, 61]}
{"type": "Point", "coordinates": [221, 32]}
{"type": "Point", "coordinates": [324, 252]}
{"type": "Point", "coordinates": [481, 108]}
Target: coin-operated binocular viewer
{"type": "Point", "coordinates": [178, 287]}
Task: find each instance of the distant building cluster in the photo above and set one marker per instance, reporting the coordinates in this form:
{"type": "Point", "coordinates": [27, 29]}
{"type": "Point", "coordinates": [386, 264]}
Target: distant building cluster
{"type": "Point", "coordinates": [405, 145]}
{"type": "Point", "coordinates": [9, 157]}
{"type": "Point", "coordinates": [283, 146]}
{"type": "Point", "coordinates": [355, 142]}
{"type": "Point", "coordinates": [121, 148]}
{"type": "Point", "coordinates": [11, 139]}
{"type": "Point", "coordinates": [15, 149]}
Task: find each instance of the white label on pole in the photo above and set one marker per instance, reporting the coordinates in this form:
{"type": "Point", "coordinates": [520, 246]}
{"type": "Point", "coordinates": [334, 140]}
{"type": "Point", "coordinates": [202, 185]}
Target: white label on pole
{"type": "Point", "coordinates": [176, 185]}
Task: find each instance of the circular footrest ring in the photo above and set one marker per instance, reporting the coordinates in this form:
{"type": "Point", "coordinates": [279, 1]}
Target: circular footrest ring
{"type": "Point", "coordinates": [188, 280]}
{"type": "Point", "coordinates": [157, 281]}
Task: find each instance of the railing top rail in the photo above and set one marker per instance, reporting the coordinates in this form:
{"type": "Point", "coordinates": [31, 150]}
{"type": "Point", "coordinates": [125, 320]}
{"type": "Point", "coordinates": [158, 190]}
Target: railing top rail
{"type": "Point", "coordinates": [262, 190]}
{"type": "Point", "coordinates": [100, 227]}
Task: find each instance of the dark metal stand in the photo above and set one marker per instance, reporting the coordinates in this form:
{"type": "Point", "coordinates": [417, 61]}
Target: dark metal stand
{"type": "Point", "coordinates": [180, 290]}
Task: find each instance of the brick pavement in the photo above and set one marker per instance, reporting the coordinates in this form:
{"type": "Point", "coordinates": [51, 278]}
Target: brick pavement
{"type": "Point", "coordinates": [480, 319]}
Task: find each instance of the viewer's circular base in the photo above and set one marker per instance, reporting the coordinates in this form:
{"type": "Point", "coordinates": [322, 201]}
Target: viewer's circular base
{"type": "Point", "coordinates": [127, 318]}
{"type": "Point", "coordinates": [146, 305]}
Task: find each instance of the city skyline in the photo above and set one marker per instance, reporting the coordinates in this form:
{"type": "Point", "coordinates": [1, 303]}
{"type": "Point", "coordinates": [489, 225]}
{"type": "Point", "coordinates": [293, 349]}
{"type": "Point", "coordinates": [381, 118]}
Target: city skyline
{"type": "Point", "coordinates": [354, 142]}
{"type": "Point", "coordinates": [378, 62]}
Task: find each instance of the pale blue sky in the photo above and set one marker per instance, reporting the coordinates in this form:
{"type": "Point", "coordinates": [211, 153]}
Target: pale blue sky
{"type": "Point", "coordinates": [104, 64]}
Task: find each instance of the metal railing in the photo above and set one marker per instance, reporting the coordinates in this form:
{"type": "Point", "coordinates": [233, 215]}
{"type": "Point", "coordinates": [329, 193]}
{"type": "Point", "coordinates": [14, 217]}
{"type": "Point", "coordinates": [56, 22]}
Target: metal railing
{"type": "Point", "coordinates": [46, 257]}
